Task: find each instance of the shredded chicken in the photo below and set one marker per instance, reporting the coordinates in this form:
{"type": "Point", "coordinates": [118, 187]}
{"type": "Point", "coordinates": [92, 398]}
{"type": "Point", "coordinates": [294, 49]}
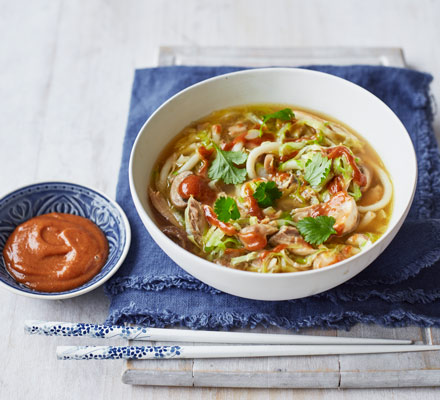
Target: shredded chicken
{"type": "Point", "coordinates": [269, 163]}
{"type": "Point", "coordinates": [262, 229]}
{"type": "Point", "coordinates": [254, 237]}
{"type": "Point", "coordinates": [290, 236]}
{"type": "Point", "coordinates": [177, 235]}
{"type": "Point", "coordinates": [162, 207]}
{"type": "Point", "coordinates": [195, 220]}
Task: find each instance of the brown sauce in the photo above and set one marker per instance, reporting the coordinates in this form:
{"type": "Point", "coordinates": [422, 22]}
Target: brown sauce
{"type": "Point", "coordinates": [228, 229]}
{"type": "Point", "coordinates": [254, 208]}
{"type": "Point", "coordinates": [253, 240]}
{"type": "Point", "coordinates": [55, 252]}
{"type": "Point", "coordinates": [197, 187]}
{"type": "Point", "coordinates": [339, 151]}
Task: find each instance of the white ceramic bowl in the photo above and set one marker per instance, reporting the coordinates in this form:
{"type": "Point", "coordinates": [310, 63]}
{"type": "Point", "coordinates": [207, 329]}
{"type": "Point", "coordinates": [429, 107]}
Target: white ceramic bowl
{"type": "Point", "coordinates": [317, 91]}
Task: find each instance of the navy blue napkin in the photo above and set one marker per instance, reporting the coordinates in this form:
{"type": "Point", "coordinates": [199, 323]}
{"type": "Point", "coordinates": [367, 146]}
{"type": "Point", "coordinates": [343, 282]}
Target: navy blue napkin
{"type": "Point", "coordinates": [401, 287]}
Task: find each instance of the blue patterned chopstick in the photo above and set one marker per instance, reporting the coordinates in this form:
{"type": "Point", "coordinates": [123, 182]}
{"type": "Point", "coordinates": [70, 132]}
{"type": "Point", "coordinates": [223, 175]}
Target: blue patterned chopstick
{"type": "Point", "coordinates": [168, 352]}
{"type": "Point", "coordinates": [180, 335]}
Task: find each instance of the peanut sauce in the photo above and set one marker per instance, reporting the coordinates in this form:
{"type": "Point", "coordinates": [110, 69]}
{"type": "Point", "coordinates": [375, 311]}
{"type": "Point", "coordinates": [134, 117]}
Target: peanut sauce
{"type": "Point", "coordinates": [205, 154]}
{"type": "Point", "coordinates": [197, 187]}
{"type": "Point", "coordinates": [55, 252]}
{"type": "Point", "coordinates": [210, 215]}
{"type": "Point", "coordinates": [276, 249]}
{"type": "Point", "coordinates": [336, 184]}
{"type": "Point", "coordinates": [289, 156]}
{"type": "Point", "coordinates": [338, 151]}
{"type": "Point", "coordinates": [253, 240]}
{"type": "Point", "coordinates": [254, 208]}
{"type": "Point", "coordinates": [238, 139]}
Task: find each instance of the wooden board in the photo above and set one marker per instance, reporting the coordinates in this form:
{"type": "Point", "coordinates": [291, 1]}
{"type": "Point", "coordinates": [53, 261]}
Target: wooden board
{"type": "Point", "coordinates": [345, 371]}
{"type": "Point", "coordinates": [348, 371]}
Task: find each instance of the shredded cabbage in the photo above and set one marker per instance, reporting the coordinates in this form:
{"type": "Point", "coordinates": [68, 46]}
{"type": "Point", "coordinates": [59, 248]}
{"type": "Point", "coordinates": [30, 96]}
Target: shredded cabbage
{"type": "Point", "coordinates": [212, 238]}
{"type": "Point", "coordinates": [216, 243]}
{"type": "Point", "coordinates": [292, 164]}
{"type": "Point", "coordinates": [291, 146]}
{"type": "Point", "coordinates": [355, 191]}
{"type": "Point", "coordinates": [246, 258]}
{"type": "Point", "coordinates": [281, 134]}
{"type": "Point", "coordinates": [342, 167]}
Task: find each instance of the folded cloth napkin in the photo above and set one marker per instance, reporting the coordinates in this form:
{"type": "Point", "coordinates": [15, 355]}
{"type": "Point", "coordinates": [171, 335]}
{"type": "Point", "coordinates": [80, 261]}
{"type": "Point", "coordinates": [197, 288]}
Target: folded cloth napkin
{"type": "Point", "coordinates": [401, 287]}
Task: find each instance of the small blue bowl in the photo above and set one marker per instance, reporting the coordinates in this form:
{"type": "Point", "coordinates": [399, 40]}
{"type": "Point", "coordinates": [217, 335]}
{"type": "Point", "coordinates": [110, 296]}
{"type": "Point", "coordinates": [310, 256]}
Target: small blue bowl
{"type": "Point", "coordinates": [62, 197]}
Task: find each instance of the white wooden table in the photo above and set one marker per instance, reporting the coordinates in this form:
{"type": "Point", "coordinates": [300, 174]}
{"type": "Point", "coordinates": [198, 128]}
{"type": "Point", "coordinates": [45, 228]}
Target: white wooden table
{"type": "Point", "coordinates": [66, 70]}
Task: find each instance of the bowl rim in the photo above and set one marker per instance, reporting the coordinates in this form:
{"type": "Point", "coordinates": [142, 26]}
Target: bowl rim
{"type": "Point", "coordinates": [110, 273]}
{"type": "Point", "coordinates": [391, 230]}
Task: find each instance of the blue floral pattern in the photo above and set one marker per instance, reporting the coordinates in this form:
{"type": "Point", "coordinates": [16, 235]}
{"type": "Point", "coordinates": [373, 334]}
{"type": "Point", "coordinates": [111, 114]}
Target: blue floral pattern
{"type": "Point", "coordinates": [84, 329]}
{"type": "Point", "coordinates": [118, 352]}
{"type": "Point", "coordinates": [43, 198]}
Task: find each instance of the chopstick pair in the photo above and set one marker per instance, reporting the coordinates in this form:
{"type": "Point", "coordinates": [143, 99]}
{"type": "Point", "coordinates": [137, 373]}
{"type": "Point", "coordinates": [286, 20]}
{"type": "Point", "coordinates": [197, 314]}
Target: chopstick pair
{"type": "Point", "coordinates": [267, 344]}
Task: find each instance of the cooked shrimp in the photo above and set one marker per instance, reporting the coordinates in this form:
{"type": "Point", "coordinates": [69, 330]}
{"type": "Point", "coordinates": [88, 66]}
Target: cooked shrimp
{"type": "Point", "coordinates": [341, 207]}
{"type": "Point", "coordinates": [330, 257]}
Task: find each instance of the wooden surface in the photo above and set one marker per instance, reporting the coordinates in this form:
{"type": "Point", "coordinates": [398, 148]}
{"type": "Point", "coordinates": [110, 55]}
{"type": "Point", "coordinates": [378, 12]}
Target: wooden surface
{"type": "Point", "coordinates": [66, 69]}
{"type": "Point", "coordinates": [344, 371]}
{"type": "Point", "coordinates": [363, 371]}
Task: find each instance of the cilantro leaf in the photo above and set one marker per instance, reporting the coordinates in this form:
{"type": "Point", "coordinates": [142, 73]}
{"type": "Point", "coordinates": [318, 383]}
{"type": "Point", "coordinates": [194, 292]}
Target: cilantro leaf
{"type": "Point", "coordinates": [284, 115]}
{"type": "Point", "coordinates": [316, 230]}
{"type": "Point", "coordinates": [317, 169]}
{"type": "Point", "coordinates": [223, 166]}
{"type": "Point", "coordinates": [226, 209]}
{"type": "Point", "coordinates": [266, 193]}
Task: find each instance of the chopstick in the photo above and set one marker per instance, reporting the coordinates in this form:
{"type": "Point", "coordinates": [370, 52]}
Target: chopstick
{"type": "Point", "coordinates": [180, 335]}
{"type": "Point", "coordinates": [175, 352]}
{"type": "Point", "coordinates": [269, 344]}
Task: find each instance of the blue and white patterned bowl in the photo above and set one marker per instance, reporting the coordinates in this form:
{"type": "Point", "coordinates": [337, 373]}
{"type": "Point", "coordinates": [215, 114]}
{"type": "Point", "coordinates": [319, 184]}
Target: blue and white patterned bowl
{"type": "Point", "coordinates": [42, 198]}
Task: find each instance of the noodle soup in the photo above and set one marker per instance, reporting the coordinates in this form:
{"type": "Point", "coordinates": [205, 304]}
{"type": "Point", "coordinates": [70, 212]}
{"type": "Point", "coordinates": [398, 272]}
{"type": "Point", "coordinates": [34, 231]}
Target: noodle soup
{"type": "Point", "coordinates": [271, 189]}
